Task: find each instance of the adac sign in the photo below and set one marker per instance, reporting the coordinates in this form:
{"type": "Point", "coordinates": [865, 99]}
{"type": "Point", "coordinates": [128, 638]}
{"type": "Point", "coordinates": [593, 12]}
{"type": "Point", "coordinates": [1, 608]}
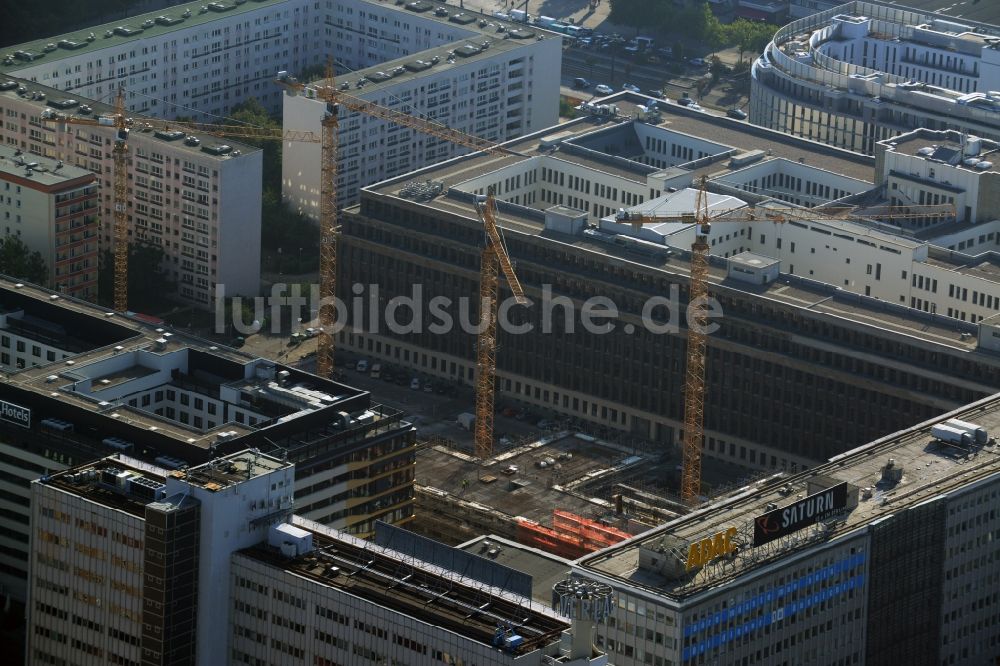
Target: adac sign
{"type": "Point", "coordinates": [702, 552]}
{"type": "Point", "coordinates": [807, 511]}
{"type": "Point", "coordinates": [15, 414]}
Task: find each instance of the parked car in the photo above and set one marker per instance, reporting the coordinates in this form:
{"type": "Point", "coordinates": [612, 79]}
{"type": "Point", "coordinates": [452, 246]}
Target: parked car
{"type": "Point", "coordinates": [698, 62]}
{"type": "Point", "coordinates": [602, 89]}
{"type": "Point", "coordinates": [415, 384]}
{"type": "Point", "coordinates": [658, 94]}
{"type": "Point", "coordinates": [631, 87]}
{"type": "Point", "coordinates": [738, 114]}
{"type": "Point", "coordinates": [362, 365]}
{"type": "Point", "coordinates": [581, 83]}
{"type": "Point", "coordinates": [547, 424]}
{"type": "Point", "coordinates": [376, 370]}
{"type": "Point", "coordinates": [685, 100]}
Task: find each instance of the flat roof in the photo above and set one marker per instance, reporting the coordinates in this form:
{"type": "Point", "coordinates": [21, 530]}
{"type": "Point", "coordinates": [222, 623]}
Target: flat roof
{"type": "Point", "coordinates": [544, 568]}
{"type": "Point", "coordinates": [747, 137]}
{"type": "Point", "coordinates": [42, 170]}
{"type": "Point", "coordinates": [981, 12]}
{"type": "Point", "coordinates": [983, 267]}
{"type": "Point", "coordinates": [788, 290]}
{"type": "Point", "coordinates": [416, 589]}
{"type": "Point", "coordinates": [930, 469]}
{"type": "Point", "coordinates": [135, 27]}
{"type": "Point", "coordinates": [86, 481]}
{"type": "Point", "coordinates": [946, 148]}
{"type": "Point", "coordinates": [753, 260]}
{"type": "Point", "coordinates": [96, 481]}
{"type": "Point", "coordinates": [105, 337]}
{"type": "Point", "coordinates": [481, 29]}
{"type": "Point", "coordinates": [24, 89]}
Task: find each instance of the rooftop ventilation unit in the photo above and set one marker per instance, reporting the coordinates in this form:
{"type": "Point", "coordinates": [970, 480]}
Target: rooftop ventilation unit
{"type": "Point", "coordinates": [419, 6]}
{"type": "Point", "coordinates": [217, 149]}
{"type": "Point", "coordinates": [891, 472]}
{"type": "Point", "coordinates": [169, 135]}
{"type": "Point", "coordinates": [63, 103]}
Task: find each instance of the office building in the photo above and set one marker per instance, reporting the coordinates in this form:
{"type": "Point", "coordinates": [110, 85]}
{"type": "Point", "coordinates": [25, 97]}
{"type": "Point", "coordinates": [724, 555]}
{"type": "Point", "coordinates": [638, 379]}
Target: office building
{"type": "Point", "coordinates": [859, 73]}
{"type": "Point", "coordinates": [52, 209]}
{"type": "Point", "coordinates": [886, 554]}
{"type": "Point", "coordinates": [194, 196]}
{"type": "Point", "coordinates": [130, 560]}
{"type": "Point", "coordinates": [133, 564]}
{"type": "Point", "coordinates": [83, 383]}
{"type": "Point", "coordinates": [485, 77]}
{"type": "Point", "coordinates": [791, 357]}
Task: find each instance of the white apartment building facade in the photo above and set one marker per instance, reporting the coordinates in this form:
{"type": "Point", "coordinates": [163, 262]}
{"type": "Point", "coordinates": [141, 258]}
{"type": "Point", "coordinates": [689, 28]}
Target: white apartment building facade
{"type": "Point", "coordinates": [487, 78]}
{"type": "Point", "coordinates": [52, 208]}
{"type": "Point", "coordinates": [862, 72]}
{"type": "Point", "coordinates": [188, 59]}
{"type": "Point", "coordinates": [195, 197]}
{"type": "Point", "coordinates": [201, 60]}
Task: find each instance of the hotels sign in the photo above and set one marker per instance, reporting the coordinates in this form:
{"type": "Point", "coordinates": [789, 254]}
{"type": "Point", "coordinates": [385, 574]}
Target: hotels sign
{"type": "Point", "coordinates": [15, 414]}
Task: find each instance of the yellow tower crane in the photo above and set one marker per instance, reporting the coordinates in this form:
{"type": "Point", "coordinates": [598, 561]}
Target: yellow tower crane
{"type": "Point", "coordinates": [122, 125]}
{"type": "Point", "coordinates": [694, 379]}
{"type": "Point", "coordinates": [494, 253]}
{"type": "Point", "coordinates": [494, 257]}
{"type": "Point", "coordinates": [119, 153]}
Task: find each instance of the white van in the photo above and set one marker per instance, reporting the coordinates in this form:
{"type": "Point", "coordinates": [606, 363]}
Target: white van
{"type": "Point", "coordinates": [376, 370]}
{"type": "Point", "coordinates": [362, 365]}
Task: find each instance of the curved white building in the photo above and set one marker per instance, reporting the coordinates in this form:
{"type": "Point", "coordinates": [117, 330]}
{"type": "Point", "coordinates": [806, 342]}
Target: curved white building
{"type": "Point", "coordinates": [863, 72]}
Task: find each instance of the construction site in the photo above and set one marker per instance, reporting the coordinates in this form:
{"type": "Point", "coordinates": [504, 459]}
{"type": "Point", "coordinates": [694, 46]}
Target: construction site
{"type": "Point", "coordinates": [566, 493]}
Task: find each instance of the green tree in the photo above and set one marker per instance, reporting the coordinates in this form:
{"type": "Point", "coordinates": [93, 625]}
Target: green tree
{"type": "Point", "coordinates": [311, 73]}
{"type": "Point", "coordinates": [252, 113]}
{"type": "Point", "coordinates": [18, 261]}
{"type": "Point", "coordinates": [707, 26]}
{"type": "Point", "coordinates": [750, 36]}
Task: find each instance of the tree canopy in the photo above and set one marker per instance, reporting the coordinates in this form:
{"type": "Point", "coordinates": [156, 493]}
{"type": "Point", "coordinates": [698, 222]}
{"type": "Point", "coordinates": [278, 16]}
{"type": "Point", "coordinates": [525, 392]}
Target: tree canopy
{"type": "Point", "coordinates": [694, 22]}
{"type": "Point", "coordinates": [251, 112]}
{"type": "Point", "coordinates": [18, 261]}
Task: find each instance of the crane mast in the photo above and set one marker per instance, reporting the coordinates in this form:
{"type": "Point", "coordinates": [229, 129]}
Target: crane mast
{"type": "Point", "coordinates": [494, 256]}
{"type": "Point", "coordinates": [120, 228]}
{"type": "Point", "coordinates": [329, 231]}
{"type": "Point", "coordinates": [697, 338]}
{"type": "Point", "coordinates": [494, 259]}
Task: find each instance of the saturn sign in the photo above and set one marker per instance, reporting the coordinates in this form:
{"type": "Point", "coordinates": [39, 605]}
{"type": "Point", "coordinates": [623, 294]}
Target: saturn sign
{"type": "Point", "coordinates": [807, 511]}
